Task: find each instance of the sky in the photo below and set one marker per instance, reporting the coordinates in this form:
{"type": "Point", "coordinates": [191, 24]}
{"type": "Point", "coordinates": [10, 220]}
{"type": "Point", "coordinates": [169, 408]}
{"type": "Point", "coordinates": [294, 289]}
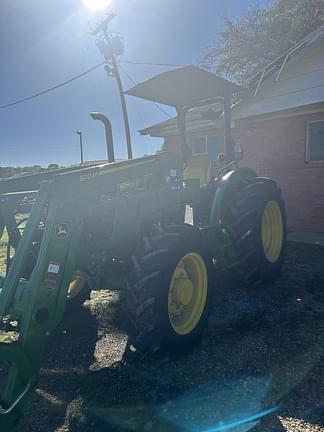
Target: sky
{"type": "Point", "coordinates": [44, 42]}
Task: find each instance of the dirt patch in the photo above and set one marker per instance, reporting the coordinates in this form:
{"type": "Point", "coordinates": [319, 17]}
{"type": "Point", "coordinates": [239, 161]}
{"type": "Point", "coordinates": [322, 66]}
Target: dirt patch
{"type": "Point", "coordinates": [263, 348]}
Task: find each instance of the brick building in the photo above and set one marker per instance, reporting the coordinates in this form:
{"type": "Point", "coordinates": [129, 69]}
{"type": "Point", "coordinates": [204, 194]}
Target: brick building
{"type": "Point", "coordinates": [280, 124]}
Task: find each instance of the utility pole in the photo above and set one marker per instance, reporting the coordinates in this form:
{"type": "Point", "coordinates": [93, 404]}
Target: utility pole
{"type": "Point", "coordinates": [81, 145]}
{"type": "Point", "coordinates": [109, 49]}
{"type": "Point", "coordinates": [124, 107]}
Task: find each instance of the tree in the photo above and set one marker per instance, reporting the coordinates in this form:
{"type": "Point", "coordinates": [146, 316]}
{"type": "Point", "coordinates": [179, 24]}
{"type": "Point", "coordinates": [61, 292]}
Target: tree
{"type": "Point", "coordinates": [244, 47]}
{"type": "Point", "coordinates": [52, 166]}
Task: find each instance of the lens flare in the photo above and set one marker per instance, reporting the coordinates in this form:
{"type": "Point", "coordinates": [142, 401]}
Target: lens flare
{"type": "Point", "coordinates": [96, 5]}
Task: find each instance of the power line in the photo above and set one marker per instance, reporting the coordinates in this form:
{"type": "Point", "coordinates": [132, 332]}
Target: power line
{"type": "Point", "coordinates": [135, 83]}
{"type": "Point", "coordinates": [86, 72]}
{"type": "Point", "coordinates": [43, 92]}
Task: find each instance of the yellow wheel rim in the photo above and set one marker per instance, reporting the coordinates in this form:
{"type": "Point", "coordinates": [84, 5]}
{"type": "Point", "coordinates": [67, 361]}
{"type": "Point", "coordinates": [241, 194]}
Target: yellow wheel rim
{"type": "Point", "coordinates": [272, 231]}
{"type": "Point", "coordinates": [187, 293]}
{"type": "Point", "coordinates": [76, 285]}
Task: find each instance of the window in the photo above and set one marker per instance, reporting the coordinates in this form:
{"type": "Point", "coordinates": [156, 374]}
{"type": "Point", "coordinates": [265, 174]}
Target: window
{"type": "Point", "coordinates": [199, 145]}
{"type": "Point", "coordinates": [315, 141]}
{"type": "Point", "coordinates": [206, 144]}
{"type": "Point", "coordinates": [212, 147]}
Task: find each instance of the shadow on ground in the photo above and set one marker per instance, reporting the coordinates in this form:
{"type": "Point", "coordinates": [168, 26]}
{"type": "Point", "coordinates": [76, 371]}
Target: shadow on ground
{"type": "Point", "coordinates": [263, 348]}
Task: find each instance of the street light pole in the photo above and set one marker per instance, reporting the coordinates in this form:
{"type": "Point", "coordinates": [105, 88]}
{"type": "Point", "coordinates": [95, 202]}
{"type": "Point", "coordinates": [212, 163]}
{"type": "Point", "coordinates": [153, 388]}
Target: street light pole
{"type": "Point", "coordinates": [81, 144]}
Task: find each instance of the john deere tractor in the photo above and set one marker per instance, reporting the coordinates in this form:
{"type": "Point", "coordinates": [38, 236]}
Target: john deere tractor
{"type": "Point", "coordinates": [165, 224]}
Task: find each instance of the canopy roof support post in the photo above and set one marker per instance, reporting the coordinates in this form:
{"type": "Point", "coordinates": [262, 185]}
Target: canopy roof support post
{"type": "Point", "coordinates": [181, 121]}
{"type": "Point", "coordinates": [228, 141]}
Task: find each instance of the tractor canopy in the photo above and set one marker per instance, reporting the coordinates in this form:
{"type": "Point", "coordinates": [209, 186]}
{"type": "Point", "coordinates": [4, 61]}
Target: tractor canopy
{"type": "Point", "coordinates": [184, 87]}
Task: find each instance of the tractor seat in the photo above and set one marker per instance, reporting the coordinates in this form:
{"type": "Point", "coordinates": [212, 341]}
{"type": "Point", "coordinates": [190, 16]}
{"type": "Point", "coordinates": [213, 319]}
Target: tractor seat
{"type": "Point", "coordinates": [199, 166]}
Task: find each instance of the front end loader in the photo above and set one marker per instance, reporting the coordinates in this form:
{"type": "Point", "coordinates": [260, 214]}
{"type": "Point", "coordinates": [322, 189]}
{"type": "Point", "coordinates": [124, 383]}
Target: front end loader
{"type": "Point", "coordinates": [165, 224]}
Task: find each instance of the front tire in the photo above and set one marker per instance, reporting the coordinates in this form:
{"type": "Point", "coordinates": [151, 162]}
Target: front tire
{"type": "Point", "coordinates": [168, 290]}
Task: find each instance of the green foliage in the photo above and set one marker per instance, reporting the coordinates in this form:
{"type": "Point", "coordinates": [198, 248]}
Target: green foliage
{"type": "Point", "coordinates": [244, 47]}
{"type": "Point", "coordinates": [52, 166]}
{"type": "Point", "coordinates": [3, 250]}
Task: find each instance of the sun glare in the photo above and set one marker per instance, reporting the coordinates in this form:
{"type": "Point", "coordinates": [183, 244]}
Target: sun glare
{"type": "Point", "coordinates": [96, 5]}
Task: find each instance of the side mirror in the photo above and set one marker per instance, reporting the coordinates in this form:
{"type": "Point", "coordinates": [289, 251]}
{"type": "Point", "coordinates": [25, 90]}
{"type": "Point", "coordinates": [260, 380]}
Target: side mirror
{"type": "Point", "coordinates": [221, 158]}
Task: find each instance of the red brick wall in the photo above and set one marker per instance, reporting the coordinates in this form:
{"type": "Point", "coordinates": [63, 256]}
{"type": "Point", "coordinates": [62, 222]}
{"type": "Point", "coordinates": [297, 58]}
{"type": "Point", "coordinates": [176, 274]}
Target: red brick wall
{"type": "Point", "coordinates": [172, 143]}
{"type": "Point", "coordinates": [276, 148]}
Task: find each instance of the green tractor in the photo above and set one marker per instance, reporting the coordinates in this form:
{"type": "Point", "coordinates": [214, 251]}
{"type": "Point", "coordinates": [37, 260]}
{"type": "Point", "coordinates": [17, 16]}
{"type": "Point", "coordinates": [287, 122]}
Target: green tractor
{"type": "Point", "coordinates": [164, 224]}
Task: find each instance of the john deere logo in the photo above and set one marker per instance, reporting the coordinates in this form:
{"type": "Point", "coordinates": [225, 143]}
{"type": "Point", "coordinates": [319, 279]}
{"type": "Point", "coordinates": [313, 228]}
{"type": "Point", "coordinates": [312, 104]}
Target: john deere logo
{"type": "Point", "coordinates": [61, 230]}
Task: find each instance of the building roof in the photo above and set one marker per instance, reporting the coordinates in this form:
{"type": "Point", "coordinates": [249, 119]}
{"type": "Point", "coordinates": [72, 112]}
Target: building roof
{"type": "Point", "coordinates": [292, 81]}
{"type": "Point", "coordinates": [194, 121]}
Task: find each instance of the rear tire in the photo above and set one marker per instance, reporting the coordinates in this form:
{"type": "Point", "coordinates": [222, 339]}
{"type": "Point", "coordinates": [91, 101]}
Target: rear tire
{"type": "Point", "coordinates": [255, 219]}
{"type": "Point", "coordinates": [167, 307]}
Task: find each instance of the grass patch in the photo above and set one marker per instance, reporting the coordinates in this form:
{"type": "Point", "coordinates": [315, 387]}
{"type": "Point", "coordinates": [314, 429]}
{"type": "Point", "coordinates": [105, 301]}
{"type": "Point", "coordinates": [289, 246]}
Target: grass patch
{"type": "Point", "coordinates": [8, 337]}
{"type": "Point", "coordinates": [4, 242]}
{"type": "Point", "coordinates": [3, 250]}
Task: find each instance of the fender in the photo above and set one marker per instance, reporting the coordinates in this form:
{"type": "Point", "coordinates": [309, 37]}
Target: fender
{"type": "Point", "coordinates": [226, 184]}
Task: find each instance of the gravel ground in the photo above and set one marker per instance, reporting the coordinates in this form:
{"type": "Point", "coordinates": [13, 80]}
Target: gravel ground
{"type": "Point", "coordinates": [263, 348]}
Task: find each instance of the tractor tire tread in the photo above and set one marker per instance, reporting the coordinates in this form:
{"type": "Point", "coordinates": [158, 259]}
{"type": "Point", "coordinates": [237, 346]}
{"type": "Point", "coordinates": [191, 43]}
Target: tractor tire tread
{"type": "Point", "coordinates": [239, 220]}
{"type": "Point", "coordinates": [143, 286]}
